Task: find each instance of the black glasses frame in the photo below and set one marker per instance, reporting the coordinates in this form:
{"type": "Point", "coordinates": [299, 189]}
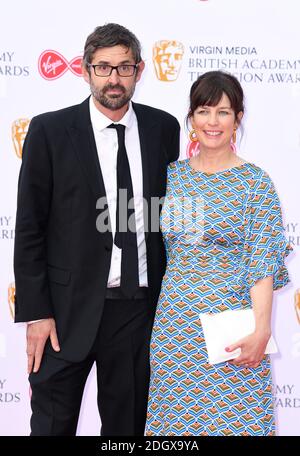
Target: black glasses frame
{"type": "Point", "coordinates": [112, 67]}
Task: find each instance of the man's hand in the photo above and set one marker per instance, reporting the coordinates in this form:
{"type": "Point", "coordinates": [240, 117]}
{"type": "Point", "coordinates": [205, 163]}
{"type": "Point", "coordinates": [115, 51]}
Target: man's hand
{"type": "Point", "coordinates": [37, 335]}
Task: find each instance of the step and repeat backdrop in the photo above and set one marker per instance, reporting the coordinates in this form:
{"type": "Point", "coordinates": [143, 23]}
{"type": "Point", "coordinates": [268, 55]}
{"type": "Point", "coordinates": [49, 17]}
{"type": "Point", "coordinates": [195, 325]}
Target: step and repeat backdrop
{"type": "Point", "coordinates": [41, 46]}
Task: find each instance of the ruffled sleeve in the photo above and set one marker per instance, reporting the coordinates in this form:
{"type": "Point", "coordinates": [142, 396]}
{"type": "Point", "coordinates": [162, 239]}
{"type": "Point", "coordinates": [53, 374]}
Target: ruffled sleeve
{"type": "Point", "coordinates": [265, 246]}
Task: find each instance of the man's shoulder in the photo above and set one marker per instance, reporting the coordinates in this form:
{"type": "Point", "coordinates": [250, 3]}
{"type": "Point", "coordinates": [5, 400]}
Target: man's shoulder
{"type": "Point", "coordinates": [154, 113]}
{"type": "Point", "coordinates": [59, 116]}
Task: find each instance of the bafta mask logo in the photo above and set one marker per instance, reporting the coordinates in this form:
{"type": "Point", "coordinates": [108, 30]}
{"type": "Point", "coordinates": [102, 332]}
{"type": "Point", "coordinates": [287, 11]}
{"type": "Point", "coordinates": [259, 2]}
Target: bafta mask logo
{"type": "Point", "coordinates": [297, 304]}
{"type": "Point", "coordinates": [19, 131]}
{"type": "Point", "coordinates": [167, 59]}
{"type": "Point", "coordinates": [11, 298]}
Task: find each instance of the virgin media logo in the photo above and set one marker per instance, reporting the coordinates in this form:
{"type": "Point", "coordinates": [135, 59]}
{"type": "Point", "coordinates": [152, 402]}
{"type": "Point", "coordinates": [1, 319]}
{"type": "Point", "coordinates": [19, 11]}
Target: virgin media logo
{"type": "Point", "coordinates": [53, 65]}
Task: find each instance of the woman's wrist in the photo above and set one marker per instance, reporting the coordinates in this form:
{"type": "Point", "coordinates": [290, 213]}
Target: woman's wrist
{"type": "Point", "coordinates": [263, 332]}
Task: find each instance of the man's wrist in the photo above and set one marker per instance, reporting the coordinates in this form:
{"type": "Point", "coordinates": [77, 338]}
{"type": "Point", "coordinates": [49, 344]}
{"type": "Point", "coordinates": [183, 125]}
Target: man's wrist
{"type": "Point", "coordinates": [34, 321]}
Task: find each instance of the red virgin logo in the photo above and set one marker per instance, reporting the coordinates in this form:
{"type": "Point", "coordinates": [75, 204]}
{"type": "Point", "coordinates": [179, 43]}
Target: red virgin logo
{"type": "Point", "coordinates": [52, 65]}
{"type": "Point", "coordinates": [192, 148]}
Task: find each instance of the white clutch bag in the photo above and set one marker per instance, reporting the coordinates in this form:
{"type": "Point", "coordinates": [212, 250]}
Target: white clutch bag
{"type": "Point", "coordinates": [225, 328]}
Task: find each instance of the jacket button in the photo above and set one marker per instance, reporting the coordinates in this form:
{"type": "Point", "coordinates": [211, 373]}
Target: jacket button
{"type": "Point", "coordinates": [108, 248]}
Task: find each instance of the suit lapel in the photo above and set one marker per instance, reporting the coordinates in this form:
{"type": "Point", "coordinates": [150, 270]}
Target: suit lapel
{"type": "Point", "coordinates": [147, 143]}
{"type": "Point", "coordinates": [82, 137]}
{"type": "Point", "coordinates": [143, 135]}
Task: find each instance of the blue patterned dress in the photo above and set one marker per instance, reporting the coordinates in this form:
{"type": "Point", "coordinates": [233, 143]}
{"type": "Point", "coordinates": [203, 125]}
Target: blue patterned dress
{"type": "Point", "coordinates": [240, 241]}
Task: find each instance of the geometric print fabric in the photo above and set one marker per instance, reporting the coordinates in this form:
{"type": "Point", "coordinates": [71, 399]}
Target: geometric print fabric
{"type": "Point", "coordinates": [212, 262]}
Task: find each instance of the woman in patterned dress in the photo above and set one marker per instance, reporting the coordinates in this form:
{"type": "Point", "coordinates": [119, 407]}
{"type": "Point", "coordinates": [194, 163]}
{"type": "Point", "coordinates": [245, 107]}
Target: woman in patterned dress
{"type": "Point", "coordinates": [234, 261]}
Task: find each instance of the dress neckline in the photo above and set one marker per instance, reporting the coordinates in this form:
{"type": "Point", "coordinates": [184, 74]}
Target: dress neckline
{"type": "Point", "coordinates": [195, 171]}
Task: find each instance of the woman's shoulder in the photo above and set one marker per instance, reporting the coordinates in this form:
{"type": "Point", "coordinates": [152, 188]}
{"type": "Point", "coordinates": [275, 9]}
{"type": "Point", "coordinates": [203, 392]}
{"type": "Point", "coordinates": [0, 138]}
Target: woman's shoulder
{"type": "Point", "coordinates": [177, 165]}
{"type": "Point", "coordinates": [257, 173]}
{"type": "Point", "coordinates": [259, 180]}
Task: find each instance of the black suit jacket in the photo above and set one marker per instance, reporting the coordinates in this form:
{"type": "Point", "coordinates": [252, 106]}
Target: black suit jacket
{"type": "Point", "coordinates": [61, 261]}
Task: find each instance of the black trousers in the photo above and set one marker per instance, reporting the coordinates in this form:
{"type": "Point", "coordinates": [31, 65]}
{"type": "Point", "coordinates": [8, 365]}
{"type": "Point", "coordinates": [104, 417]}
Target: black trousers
{"type": "Point", "coordinates": [121, 353]}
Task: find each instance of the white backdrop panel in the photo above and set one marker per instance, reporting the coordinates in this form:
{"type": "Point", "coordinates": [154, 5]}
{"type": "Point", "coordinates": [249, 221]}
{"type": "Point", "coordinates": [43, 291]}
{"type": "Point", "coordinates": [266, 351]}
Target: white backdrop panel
{"type": "Point", "coordinates": [257, 41]}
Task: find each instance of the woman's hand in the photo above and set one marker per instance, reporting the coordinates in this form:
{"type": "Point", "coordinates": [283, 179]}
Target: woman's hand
{"type": "Point", "coordinates": [252, 349]}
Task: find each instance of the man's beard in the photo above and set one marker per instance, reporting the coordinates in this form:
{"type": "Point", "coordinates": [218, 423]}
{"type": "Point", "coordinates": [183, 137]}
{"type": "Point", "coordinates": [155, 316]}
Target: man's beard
{"type": "Point", "coordinates": [112, 102]}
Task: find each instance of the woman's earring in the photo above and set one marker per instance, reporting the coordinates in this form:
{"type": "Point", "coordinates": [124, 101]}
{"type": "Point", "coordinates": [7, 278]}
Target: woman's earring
{"type": "Point", "coordinates": [193, 136]}
{"type": "Point", "coordinates": [234, 136]}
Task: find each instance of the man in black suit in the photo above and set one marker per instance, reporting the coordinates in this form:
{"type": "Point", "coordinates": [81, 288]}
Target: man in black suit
{"type": "Point", "coordinates": [86, 286]}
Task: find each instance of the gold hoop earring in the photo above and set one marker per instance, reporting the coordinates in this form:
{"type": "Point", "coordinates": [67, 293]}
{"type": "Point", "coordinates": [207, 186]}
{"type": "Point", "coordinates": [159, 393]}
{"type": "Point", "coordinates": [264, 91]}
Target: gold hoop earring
{"type": "Point", "coordinates": [193, 136]}
{"type": "Point", "coordinates": [234, 136]}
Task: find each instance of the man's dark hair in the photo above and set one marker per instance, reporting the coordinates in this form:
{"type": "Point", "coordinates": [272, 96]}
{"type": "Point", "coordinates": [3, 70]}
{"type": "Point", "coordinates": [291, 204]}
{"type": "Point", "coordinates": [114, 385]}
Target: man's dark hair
{"type": "Point", "coordinates": [109, 35]}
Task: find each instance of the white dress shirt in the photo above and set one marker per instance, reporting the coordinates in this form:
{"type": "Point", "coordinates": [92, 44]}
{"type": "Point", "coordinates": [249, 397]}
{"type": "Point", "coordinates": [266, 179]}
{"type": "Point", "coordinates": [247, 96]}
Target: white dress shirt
{"type": "Point", "coordinates": [107, 148]}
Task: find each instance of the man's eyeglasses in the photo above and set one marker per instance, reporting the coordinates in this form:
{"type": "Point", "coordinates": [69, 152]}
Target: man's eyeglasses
{"type": "Point", "coordinates": [104, 70]}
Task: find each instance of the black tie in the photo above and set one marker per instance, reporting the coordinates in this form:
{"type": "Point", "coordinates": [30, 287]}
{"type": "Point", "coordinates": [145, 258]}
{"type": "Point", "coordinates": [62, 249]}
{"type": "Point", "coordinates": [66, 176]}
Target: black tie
{"type": "Point", "coordinates": [126, 238]}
